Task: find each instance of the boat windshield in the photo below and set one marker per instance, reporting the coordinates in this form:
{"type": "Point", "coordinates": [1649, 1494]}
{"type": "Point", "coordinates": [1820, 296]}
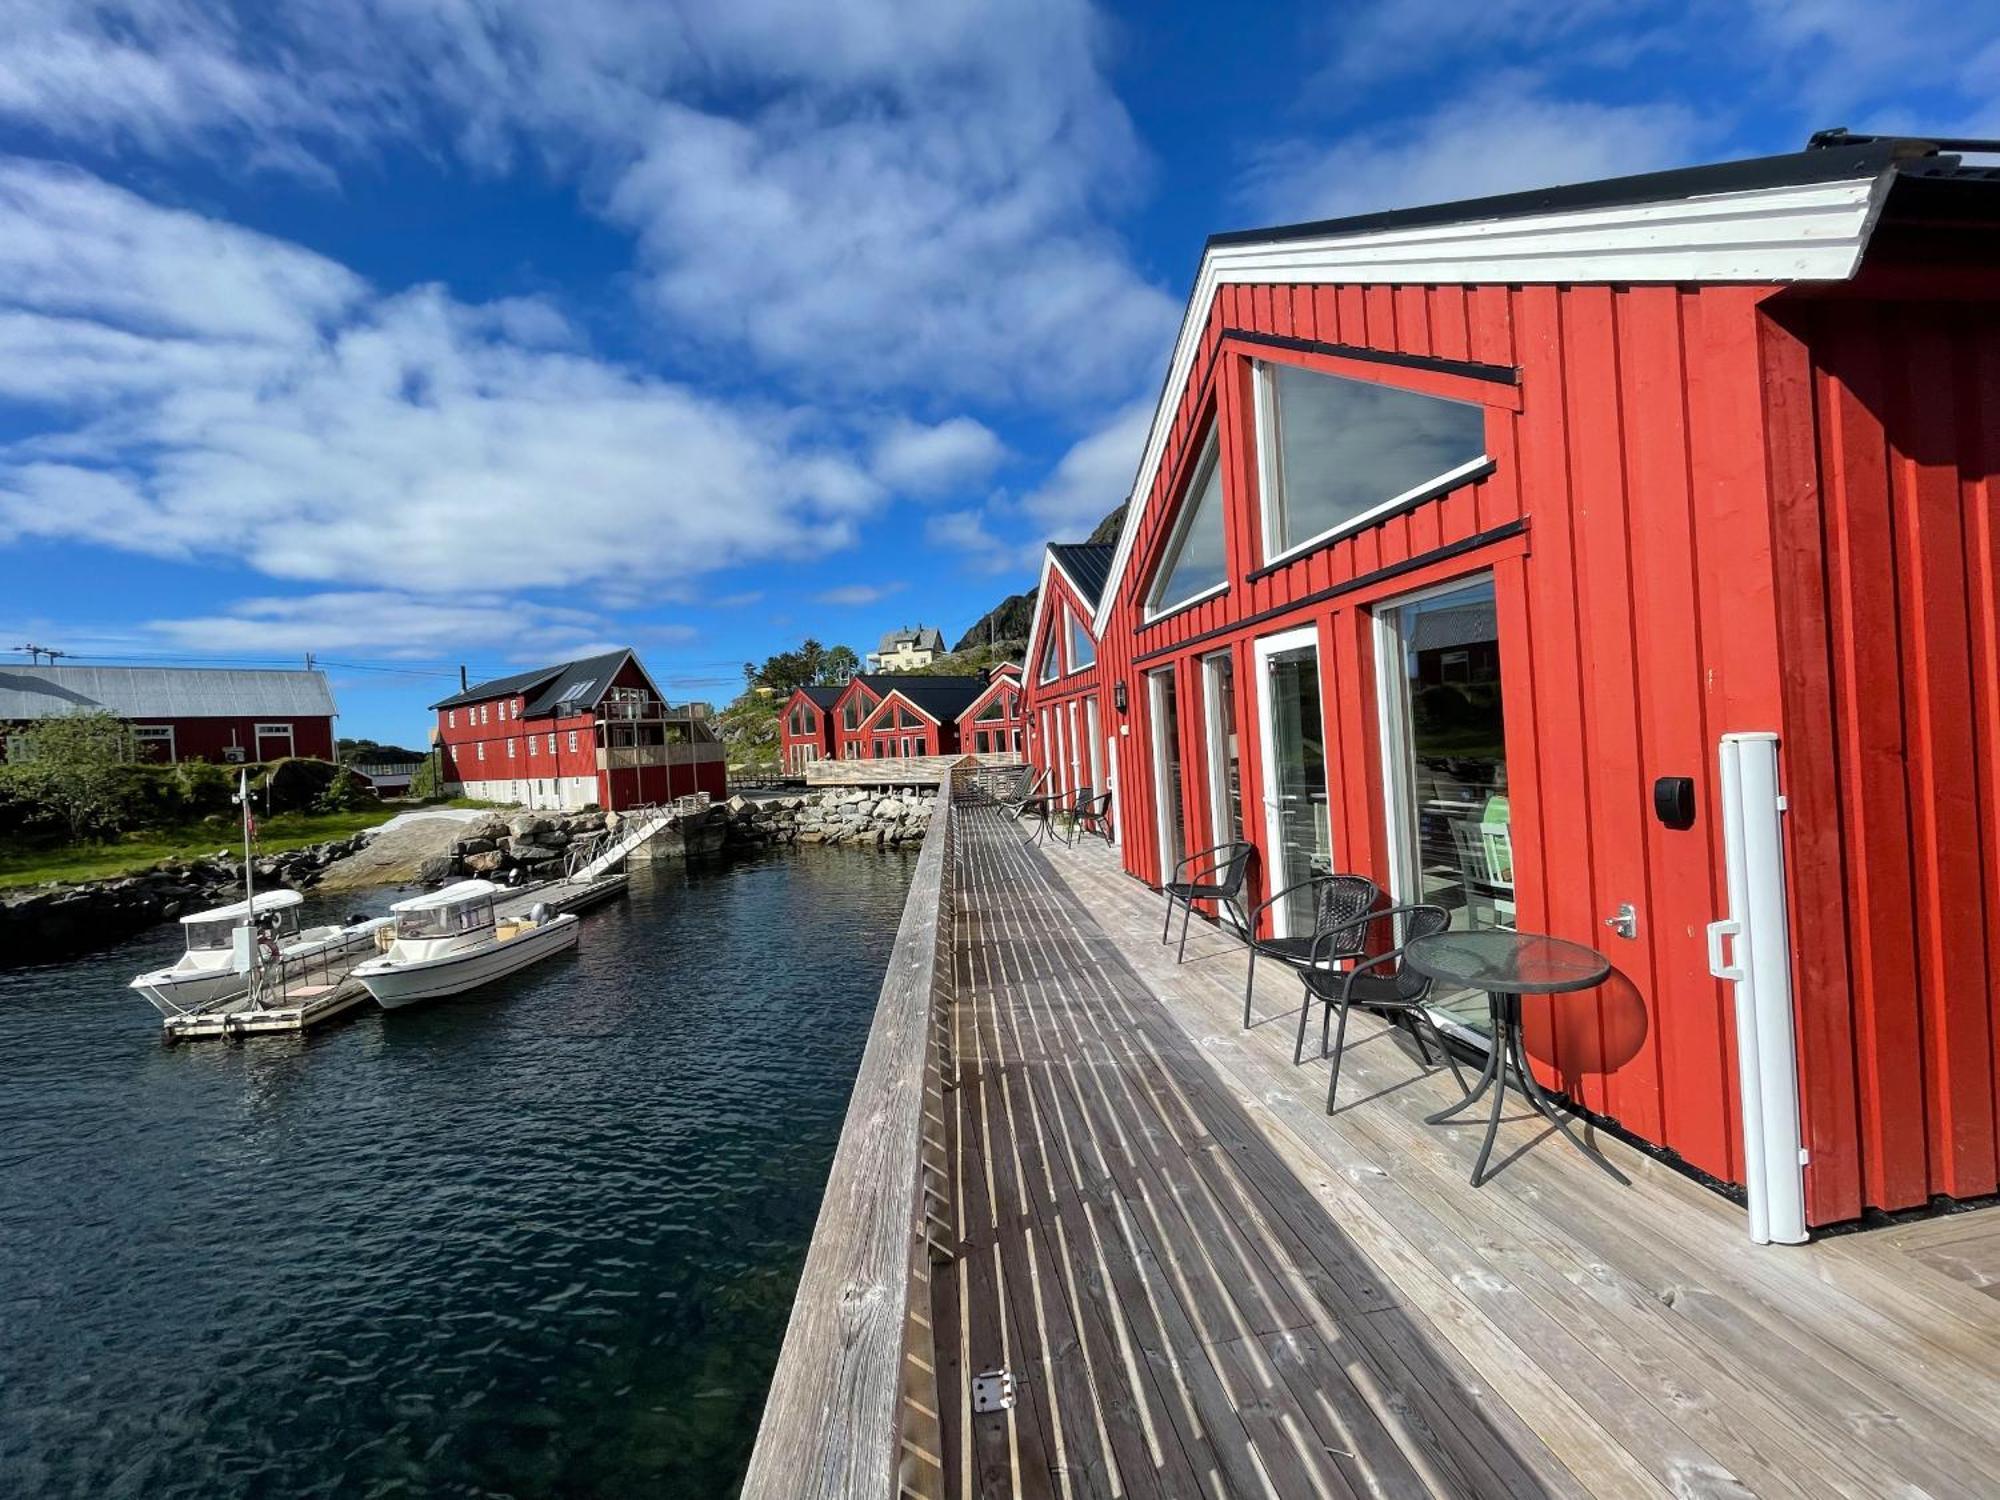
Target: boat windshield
{"type": "Point", "coordinates": [207, 937]}
{"type": "Point", "coordinates": [444, 921]}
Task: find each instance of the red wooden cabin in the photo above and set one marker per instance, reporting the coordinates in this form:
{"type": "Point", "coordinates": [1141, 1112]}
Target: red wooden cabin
{"type": "Point", "coordinates": [884, 715]}
{"type": "Point", "coordinates": [1463, 534]}
{"type": "Point", "coordinates": [805, 729]}
{"type": "Point", "coordinates": [224, 714]}
{"type": "Point", "coordinates": [1065, 708]}
{"type": "Point", "coordinates": [991, 724]}
{"type": "Point", "coordinates": [594, 732]}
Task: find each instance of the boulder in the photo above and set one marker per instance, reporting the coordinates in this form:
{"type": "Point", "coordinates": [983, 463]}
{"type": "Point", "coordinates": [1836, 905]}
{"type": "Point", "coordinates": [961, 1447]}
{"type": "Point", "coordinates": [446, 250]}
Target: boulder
{"type": "Point", "coordinates": [468, 847]}
{"type": "Point", "coordinates": [485, 862]}
{"type": "Point", "coordinates": [528, 825]}
{"type": "Point", "coordinates": [437, 869]}
{"type": "Point", "coordinates": [532, 854]}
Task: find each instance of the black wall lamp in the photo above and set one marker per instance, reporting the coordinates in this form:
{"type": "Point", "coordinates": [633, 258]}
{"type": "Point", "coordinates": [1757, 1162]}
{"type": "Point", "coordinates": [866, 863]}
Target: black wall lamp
{"type": "Point", "coordinates": [1118, 696]}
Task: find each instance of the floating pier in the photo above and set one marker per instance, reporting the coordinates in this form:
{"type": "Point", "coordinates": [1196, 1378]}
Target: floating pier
{"type": "Point", "coordinates": [322, 988]}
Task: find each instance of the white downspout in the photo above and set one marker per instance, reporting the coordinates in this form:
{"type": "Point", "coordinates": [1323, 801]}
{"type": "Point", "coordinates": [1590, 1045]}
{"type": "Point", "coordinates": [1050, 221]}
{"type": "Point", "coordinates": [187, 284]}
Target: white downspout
{"type": "Point", "coordinates": [1766, 1050]}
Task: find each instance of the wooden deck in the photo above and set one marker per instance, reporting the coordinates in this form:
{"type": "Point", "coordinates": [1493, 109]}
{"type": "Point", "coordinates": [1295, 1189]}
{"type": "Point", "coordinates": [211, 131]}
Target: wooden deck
{"type": "Point", "coordinates": [1204, 1285]}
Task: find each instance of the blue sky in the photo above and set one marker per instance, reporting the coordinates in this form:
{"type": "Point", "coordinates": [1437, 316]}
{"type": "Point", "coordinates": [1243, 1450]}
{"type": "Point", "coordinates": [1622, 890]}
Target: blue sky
{"type": "Point", "coordinates": [419, 332]}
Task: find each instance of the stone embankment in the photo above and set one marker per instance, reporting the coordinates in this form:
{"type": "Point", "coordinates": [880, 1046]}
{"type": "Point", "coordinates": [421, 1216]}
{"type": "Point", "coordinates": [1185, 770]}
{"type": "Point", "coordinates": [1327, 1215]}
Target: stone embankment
{"type": "Point", "coordinates": [58, 921]}
{"type": "Point", "coordinates": [535, 844]}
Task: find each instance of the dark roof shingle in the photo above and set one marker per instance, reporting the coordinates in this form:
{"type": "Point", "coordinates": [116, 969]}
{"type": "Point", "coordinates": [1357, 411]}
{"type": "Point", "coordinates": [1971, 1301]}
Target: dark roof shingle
{"type": "Point", "coordinates": [1087, 565]}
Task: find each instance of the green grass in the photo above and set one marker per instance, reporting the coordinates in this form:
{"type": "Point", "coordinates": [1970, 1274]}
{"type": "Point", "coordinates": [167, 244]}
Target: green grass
{"type": "Point", "coordinates": [31, 866]}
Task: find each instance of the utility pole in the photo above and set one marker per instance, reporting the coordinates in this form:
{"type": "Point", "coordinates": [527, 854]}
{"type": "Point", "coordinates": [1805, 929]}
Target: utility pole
{"type": "Point", "coordinates": [462, 683]}
{"type": "Point", "coordinates": [309, 661]}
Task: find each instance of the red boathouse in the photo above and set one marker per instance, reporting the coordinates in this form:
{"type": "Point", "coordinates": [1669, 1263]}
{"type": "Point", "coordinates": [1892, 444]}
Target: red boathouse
{"type": "Point", "coordinates": [1065, 708]}
{"type": "Point", "coordinates": [884, 715]}
{"type": "Point", "coordinates": [225, 714]}
{"type": "Point", "coordinates": [1462, 538]}
{"type": "Point", "coordinates": [594, 732]}
{"type": "Point", "coordinates": [805, 729]}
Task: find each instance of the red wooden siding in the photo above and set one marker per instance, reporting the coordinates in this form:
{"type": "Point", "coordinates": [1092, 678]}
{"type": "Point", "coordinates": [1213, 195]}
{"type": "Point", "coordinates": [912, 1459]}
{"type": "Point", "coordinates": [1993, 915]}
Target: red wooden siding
{"type": "Point", "coordinates": [1628, 528]}
{"type": "Point", "coordinates": [1891, 608]}
{"type": "Point", "coordinates": [1074, 685]}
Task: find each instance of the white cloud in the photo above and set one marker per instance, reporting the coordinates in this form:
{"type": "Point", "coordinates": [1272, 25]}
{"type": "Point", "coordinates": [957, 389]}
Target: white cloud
{"type": "Point", "coordinates": [384, 623]}
{"type": "Point", "coordinates": [921, 460]}
{"type": "Point", "coordinates": [857, 595]}
{"type": "Point", "coordinates": [861, 197]}
{"type": "Point", "coordinates": [1452, 154]}
{"type": "Point", "coordinates": [322, 432]}
{"type": "Point", "coordinates": [1093, 479]}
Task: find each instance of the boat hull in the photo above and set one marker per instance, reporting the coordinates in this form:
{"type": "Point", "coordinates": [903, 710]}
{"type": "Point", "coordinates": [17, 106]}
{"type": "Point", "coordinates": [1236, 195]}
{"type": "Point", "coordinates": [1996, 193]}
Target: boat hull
{"type": "Point", "coordinates": [395, 985]}
{"type": "Point", "coordinates": [180, 992]}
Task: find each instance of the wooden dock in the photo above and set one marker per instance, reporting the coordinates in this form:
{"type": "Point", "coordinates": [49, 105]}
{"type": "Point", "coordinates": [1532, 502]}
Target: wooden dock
{"type": "Point", "coordinates": [1204, 1285]}
{"type": "Point", "coordinates": [323, 991]}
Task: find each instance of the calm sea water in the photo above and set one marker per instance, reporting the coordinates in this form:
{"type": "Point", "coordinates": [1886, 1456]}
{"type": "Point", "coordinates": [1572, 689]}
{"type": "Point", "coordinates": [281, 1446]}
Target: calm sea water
{"type": "Point", "coordinates": [537, 1240]}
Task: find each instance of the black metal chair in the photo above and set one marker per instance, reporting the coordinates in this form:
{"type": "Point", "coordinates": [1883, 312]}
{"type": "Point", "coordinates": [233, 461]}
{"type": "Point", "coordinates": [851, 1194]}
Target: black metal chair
{"type": "Point", "coordinates": [1382, 983]}
{"type": "Point", "coordinates": [1226, 867]}
{"type": "Point", "coordinates": [1339, 902]}
{"type": "Point", "coordinates": [1016, 799]}
{"type": "Point", "coordinates": [1092, 815]}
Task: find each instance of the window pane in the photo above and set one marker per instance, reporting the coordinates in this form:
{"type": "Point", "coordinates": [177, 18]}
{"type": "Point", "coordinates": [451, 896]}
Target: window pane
{"type": "Point", "coordinates": [1081, 652]}
{"type": "Point", "coordinates": [1338, 448]}
{"type": "Point", "coordinates": [1194, 559]}
{"type": "Point", "coordinates": [1051, 664]}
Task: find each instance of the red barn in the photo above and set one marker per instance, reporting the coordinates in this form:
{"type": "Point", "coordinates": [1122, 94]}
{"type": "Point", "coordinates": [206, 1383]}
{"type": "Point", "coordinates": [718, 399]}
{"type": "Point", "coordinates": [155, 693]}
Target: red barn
{"type": "Point", "coordinates": [580, 733]}
{"type": "Point", "coordinates": [805, 730]}
{"type": "Point", "coordinates": [1065, 708]}
{"type": "Point", "coordinates": [184, 713]}
{"type": "Point", "coordinates": [1464, 538]}
{"type": "Point", "coordinates": [990, 725]}
{"type": "Point", "coordinates": [881, 715]}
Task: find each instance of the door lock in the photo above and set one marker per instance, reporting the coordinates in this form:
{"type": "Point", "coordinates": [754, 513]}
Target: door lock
{"type": "Point", "coordinates": [1625, 922]}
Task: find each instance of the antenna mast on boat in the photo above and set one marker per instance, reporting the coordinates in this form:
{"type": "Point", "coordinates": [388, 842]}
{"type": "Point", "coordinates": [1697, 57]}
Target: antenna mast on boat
{"type": "Point", "coordinates": [249, 884]}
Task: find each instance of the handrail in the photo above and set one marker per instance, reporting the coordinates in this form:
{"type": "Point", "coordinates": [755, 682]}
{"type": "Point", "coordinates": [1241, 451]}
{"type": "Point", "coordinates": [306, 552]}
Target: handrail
{"type": "Point", "coordinates": [853, 1402]}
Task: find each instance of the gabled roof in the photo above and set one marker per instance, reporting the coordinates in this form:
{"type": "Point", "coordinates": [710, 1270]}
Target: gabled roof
{"type": "Point", "coordinates": [921, 637]}
{"type": "Point", "coordinates": [582, 683]}
{"type": "Point", "coordinates": [1774, 220]}
{"type": "Point", "coordinates": [995, 684]}
{"type": "Point", "coordinates": [1086, 565]}
{"type": "Point", "coordinates": [939, 698]}
{"type": "Point", "coordinates": [163, 693]}
{"type": "Point", "coordinates": [824, 696]}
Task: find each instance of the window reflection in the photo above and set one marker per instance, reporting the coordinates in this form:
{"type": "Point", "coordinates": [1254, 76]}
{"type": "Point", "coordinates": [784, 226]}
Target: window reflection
{"type": "Point", "coordinates": [1335, 449]}
{"type": "Point", "coordinates": [1194, 560]}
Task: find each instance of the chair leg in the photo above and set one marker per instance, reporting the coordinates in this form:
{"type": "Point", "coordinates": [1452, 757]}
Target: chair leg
{"type": "Point", "coordinates": [1444, 1047]}
{"type": "Point", "coordinates": [1339, 1045]}
{"type": "Point", "coordinates": [1167, 927]}
{"type": "Point", "coordinates": [1249, 983]}
{"type": "Point", "coordinates": [1417, 1036]}
{"type": "Point", "coordinates": [1299, 1042]}
{"type": "Point", "coordinates": [1187, 915]}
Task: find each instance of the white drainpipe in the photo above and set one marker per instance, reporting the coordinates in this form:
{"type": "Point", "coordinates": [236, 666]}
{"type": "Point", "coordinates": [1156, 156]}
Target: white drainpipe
{"type": "Point", "coordinates": [1766, 1051]}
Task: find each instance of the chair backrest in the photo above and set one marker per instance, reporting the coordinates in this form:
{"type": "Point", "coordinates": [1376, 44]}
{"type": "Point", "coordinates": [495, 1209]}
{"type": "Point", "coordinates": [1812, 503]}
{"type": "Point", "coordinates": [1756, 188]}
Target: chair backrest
{"type": "Point", "coordinates": [1025, 782]}
{"type": "Point", "coordinates": [1232, 868]}
{"type": "Point", "coordinates": [1082, 798]}
{"type": "Point", "coordinates": [1341, 904]}
{"type": "Point", "coordinates": [1417, 922]}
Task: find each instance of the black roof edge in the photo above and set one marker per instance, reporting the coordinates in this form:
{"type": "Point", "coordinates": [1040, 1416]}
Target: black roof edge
{"type": "Point", "coordinates": [1842, 158]}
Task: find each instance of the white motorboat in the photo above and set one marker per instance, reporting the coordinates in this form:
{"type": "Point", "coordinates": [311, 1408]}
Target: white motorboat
{"type": "Point", "coordinates": [225, 943]}
{"type": "Point", "coordinates": [448, 941]}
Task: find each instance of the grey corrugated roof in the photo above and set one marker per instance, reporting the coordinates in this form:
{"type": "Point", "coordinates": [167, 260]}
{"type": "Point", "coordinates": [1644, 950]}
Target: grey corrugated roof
{"type": "Point", "coordinates": [164, 692]}
{"type": "Point", "coordinates": [1460, 625]}
{"type": "Point", "coordinates": [1087, 565]}
{"type": "Point", "coordinates": [922, 637]}
{"type": "Point", "coordinates": [584, 681]}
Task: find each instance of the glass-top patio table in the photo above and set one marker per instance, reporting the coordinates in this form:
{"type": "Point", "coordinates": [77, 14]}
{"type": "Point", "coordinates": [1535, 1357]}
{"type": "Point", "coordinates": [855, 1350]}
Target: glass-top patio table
{"type": "Point", "coordinates": [1508, 965]}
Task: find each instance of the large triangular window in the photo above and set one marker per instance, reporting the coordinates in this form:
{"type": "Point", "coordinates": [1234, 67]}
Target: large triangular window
{"type": "Point", "coordinates": [1082, 650]}
{"type": "Point", "coordinates": [1194, 563]}
{"type": "Point", "coordinates": [1051, 660]}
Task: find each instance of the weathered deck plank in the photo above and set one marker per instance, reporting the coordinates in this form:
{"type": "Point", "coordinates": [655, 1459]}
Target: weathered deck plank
{"type": "Point", "coordinates": [1613, 1341]}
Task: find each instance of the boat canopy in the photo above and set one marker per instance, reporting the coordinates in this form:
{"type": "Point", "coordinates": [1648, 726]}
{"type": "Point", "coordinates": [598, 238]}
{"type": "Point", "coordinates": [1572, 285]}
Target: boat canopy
{"type": "Point", "coordinates": [265, 901]}
{"type": "Point", "coordinates": [451, 895]}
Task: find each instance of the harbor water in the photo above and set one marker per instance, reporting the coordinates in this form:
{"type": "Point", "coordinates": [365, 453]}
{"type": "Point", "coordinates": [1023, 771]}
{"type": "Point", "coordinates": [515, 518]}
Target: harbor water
{"type": "Point", "coordinates": [540, 1239]}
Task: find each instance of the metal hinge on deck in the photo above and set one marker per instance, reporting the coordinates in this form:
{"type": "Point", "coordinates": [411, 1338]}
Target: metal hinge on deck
{"type": "Point", "coordinates": [993, 1391]}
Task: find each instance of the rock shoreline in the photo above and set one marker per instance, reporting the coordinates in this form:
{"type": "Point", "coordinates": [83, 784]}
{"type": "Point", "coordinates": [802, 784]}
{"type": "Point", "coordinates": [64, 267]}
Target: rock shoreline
{"type": "Point", "coordinates": [46, 923]}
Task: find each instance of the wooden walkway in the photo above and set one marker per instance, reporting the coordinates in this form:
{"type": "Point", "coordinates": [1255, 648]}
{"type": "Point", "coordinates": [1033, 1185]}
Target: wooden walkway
{"type": "Point", "coordinates": [1206, 1286]}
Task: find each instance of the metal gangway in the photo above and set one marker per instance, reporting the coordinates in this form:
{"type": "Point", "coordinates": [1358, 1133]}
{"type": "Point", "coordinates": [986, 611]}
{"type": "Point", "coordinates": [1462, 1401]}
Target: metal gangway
{"type": "Point", "coordinates": [608, 850]}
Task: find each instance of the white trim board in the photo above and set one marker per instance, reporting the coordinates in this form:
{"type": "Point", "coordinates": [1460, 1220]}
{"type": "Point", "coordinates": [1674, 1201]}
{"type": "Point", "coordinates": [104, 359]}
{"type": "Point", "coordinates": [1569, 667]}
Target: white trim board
{"type": "Point", "coordinates": [1808, 232]}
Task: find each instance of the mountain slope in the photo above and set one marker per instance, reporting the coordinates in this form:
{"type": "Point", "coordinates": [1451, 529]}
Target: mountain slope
{"type": "Point", "coordinates": [1008, 621]}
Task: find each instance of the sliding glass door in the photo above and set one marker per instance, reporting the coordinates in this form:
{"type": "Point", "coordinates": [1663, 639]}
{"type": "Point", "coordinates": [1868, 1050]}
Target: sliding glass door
{"type": "Point", "coordinates": [1225, 763]}
{"type": "Point", "coordinates": [1167, 769]}
{"type": "Point", "coordinates": [1298, 832]}
{"type": "Point", "coordinates": [1444, 756]}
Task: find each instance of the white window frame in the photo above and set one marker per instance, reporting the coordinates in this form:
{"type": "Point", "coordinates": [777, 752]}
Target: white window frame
{"type": "Point", "coordinates": [510, 749]}
{"type": "Point", "coordinates": [1156, 607]}
{"type": "Point", "coordinates": [1073, 625]}
{"type": "Point", "coordinates": [480, 748]}
{"type": "Point", "coordinates": [1218, 752]}
{"type": "Point", "coordinates": [271, 731]}
{"type": "Point", "coordinates": [1076, 756]}
{"type": "Point", "coordinates": [1160, 682]}
{"type": "Point", "coordinates": [153, 734]}
{"type": "Point", "coordinates": [1262, 651]}
{"type": "Point", "coordinates": [1263, 389]}
{"type": "Point", "coordinates": [451, 718]}
{"type": "Point", "coordinates": [1051, 665]}
{"type": "Point", "coordinates": [572, 742]}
